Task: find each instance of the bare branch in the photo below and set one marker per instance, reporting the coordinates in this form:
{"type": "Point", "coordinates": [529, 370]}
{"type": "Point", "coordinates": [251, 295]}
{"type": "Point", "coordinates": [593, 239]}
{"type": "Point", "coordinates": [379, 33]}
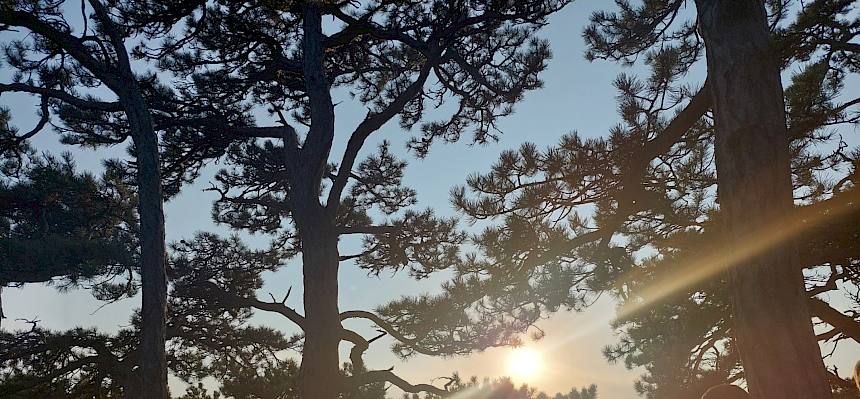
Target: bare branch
{"type": "Point", "coordinates": [844, 324]}
{"type": "Point", "coordinates": [43, 120]}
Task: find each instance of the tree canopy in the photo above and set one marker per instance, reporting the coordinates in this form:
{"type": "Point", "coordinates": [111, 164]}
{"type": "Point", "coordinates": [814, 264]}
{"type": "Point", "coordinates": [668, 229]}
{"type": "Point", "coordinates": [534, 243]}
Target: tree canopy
{"type": "Point", "coordinates": [221, 63]}
{"type": "Point", "coordinates": [635, 213]}
{"type": "Point", "coordinates": [249, 91]}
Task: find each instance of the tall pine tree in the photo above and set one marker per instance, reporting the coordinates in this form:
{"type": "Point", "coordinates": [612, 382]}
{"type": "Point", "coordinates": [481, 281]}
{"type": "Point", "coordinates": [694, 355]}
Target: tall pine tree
{"type": "Point", "coordinates": [399, 60]}
{"type": "Point", "coordinates": [587, 216]}
{"type": "Point", "coordinates": [66, 70]}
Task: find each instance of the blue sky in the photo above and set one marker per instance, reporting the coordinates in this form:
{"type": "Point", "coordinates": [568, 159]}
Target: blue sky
{"type": "Point", "coordinates": [577, 96]}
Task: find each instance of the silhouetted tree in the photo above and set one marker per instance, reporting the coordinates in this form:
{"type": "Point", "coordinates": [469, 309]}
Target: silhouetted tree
{"type": "Point", "coordinates": [204, 340]}
{"type": "Point", "coordinates": [685, 341]}
{"type": "Point", "coordinates": [66, 70]}
{"type": "Point", "coordinates": [593, 215]}
{"type": "Point", "coordinates": [398, 59]}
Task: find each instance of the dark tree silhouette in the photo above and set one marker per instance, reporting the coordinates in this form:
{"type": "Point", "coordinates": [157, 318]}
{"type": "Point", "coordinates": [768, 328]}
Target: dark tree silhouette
{"type": "Point", "coordinates": [203, 339]}
{"type": "Point", "coordinates": [652, 178]}
{"type": "Point", "coordinates": [651, 185]}
{"type": "Point", "coordinates": [685, 342]}
{"type": "Point", "coordinates": [65, 69]}
{"type": "Point", "coordinates": [398, 59]}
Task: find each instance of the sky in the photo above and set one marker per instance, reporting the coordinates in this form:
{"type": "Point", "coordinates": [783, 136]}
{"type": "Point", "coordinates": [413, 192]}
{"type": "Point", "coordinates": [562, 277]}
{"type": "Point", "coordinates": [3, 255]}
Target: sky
{"type": "Point", "coordinates": [577, 96]}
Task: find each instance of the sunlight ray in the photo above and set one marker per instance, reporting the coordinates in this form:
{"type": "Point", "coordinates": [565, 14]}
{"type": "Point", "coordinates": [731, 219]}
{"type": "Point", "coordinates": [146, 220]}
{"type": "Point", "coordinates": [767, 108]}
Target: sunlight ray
{"type": "Point", "coordinates": [720, 257]}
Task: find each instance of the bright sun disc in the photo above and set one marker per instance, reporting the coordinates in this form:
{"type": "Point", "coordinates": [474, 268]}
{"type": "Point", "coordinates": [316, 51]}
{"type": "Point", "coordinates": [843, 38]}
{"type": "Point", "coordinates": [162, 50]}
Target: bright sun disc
{"type": "Point", "coordinates": [524, 363]}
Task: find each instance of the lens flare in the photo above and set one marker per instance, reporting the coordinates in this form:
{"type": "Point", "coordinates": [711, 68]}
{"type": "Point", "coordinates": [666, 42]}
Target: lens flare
{"type": "Point", "coordinates": [720, 256]}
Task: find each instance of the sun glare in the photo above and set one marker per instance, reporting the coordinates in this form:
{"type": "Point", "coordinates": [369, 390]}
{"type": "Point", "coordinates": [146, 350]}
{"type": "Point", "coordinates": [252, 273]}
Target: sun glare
{"type": "Point", "coordinates": [524, 364]}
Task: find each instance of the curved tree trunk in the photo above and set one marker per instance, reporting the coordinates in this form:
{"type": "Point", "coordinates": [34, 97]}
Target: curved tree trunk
{"type": "Point", "coordinates": [153, 365]}
{"type": "Point", "coordinates": [772, 324]}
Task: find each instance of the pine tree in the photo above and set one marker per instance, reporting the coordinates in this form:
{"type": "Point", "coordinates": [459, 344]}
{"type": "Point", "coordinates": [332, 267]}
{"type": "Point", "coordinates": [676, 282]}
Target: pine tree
{"type": "Point", "coordinates": [589, 216]}
{"type": "Point", "coordinates": [751, 147]}
{"type": "Point", "coordinates": [398, 60]}
{"type": "Point", "coordinates": [686, 341]}
{"type": "Point", "coordinates": [64, 70]}
{"type": "Point", "coordinates": [203, 340]}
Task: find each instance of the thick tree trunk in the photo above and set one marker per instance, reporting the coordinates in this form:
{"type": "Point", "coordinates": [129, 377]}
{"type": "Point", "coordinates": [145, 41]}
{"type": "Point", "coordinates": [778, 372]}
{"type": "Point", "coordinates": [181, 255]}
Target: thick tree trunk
{"type": "Point", "coordinates": [320, 368]}
{"type": "Point", "coordinates": [153, 365]}
{"type": "Point", "coordinates": [772, 324]}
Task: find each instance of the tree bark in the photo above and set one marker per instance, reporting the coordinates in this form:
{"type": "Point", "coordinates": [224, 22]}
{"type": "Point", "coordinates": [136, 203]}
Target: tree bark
{"type": "Point", "coordinates": [117, 74]}
{"type": "Point", "coordinates": [319, 372]}
{"type": "Point", "coordinates": [153, 364]}
{"type": "Point", "coordinates": [772, 323]}
{"type": "Point", "coordinates": [320, 367]}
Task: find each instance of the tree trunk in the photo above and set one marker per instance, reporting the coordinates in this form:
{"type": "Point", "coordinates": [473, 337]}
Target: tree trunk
{"type": "Point", "coordinates": [153, 365]}
{"type": "Point", "coordinates": [320, 368]}
{"type": "Point", "coordinates": [772, 324]}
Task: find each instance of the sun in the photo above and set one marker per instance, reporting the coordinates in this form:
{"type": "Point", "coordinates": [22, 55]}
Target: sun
{"type": "Point", "coordinates": [524, 364]}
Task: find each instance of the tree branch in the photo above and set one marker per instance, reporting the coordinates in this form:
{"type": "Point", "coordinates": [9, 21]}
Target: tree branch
{"type": "Point", "coordinates": [62, 96]}
{"type": "Point", "coordinates": [387, 328]}
{"type": "Point", "coordinates": [632, 184]}
{"type": "Point", "coordinates": [43, 120]}
{"type": "Point", "coordinates": [377, 376]}
{"type": "Point", "coordinates": [115, 37]}
{"type": "Point", "coordinates": [845, 324]}
{"type": "Point", "coordinates": [317, 144]}
{"type": "Point", "coordinates": [371, 123]}
{"type": "Point", "coordinates": [238, 301]}
{"type": "Point", "coordinates": [356, 27]}
{"type": "Point", "coordinates": [71, 44]}
{"type": "Point", "coordinates": [375, 230]}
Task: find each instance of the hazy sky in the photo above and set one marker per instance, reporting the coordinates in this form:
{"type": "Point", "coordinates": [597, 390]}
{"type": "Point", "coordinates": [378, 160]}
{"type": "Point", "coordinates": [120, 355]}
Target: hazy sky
{"type": "Point", "coordinates": [577, 96]}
